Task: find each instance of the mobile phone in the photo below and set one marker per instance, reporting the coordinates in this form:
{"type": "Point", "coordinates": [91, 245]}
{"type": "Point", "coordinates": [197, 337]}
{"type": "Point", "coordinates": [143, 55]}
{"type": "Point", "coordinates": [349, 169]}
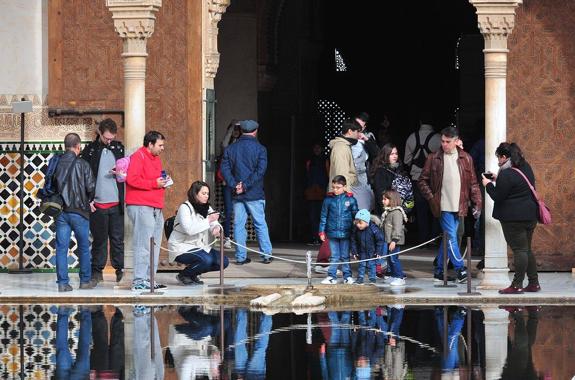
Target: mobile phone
{"type": "Point", "coordinates": [213, 212]}
{"type": "Point", "coordinates": [488, 175]}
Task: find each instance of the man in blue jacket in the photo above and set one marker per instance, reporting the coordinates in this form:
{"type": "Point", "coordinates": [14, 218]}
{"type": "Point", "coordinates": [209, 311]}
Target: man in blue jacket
{"type": "Point", "coordinates": [243, 167]}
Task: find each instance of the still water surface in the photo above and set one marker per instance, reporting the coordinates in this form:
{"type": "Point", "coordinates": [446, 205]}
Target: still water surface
{"type": "Point", "coordinates": [198, 342]}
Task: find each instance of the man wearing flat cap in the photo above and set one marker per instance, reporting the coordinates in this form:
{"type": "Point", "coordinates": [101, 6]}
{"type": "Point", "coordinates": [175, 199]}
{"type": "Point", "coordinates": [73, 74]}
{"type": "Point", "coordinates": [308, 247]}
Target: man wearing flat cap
{"type": "Point", "coordinates": [243, 167]}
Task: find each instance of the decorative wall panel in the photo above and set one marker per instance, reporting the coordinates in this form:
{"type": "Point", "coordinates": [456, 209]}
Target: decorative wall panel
{"type": "Point", "coordinates": [39, 230]}
{"type": "Point", "coordinates": [541, 117]}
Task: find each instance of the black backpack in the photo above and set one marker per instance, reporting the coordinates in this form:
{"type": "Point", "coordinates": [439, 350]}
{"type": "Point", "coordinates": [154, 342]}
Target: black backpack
{"type": "Point", "coordinates": [170, 223]}
{"type": "Point", "coordinates": [421, 151]}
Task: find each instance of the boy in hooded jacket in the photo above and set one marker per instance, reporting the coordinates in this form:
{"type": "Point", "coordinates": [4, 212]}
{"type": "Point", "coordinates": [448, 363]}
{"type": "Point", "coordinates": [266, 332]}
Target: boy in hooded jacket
{"type": "Point", "coordinates": [367, 241]}
{"type": "Point", "coordinates": [336, 221]}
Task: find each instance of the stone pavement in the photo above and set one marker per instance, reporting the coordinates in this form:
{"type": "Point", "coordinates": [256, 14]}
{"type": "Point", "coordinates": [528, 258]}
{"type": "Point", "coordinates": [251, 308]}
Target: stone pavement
{"type": "Point", "coordinates": [261, 279]}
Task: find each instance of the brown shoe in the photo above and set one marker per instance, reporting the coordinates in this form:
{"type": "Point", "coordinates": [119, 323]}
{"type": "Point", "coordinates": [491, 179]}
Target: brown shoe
{"type": "Point", "coordinates": [89, 285]}
{"type": "Point", "coordinates": [532, 288]}
{"type": "Point", "coordinates": [65, 288]}
{"type": "Point", "coordinates": [511, 290]}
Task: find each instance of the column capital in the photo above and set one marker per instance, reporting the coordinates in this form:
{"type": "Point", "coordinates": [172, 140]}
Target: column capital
{"type": "Point", "coordinates": [216, 8]}
{"type": "Point", "coordinates": [134, 20]}
{"type": "Point", "coordinates": [496, 20]}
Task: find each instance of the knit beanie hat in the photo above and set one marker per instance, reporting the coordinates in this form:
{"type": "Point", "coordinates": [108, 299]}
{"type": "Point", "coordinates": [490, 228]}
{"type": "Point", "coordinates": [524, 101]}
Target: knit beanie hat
{"type": "Point", "coordinates": [364, 215]}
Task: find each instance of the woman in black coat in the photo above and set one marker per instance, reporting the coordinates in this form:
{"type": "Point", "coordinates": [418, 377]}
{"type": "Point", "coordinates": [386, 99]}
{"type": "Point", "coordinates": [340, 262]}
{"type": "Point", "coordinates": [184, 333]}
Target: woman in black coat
{"type": "Point", "coordinates": [383, 171]}
{"type": "Point", "coordinates": [516, 209]}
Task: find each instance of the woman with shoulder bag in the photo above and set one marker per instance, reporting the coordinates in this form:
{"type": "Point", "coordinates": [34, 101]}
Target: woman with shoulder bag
{"type": "Point", "coordinates": [516, 209]}
{"type": "Point", "coordinates": [195, 228]}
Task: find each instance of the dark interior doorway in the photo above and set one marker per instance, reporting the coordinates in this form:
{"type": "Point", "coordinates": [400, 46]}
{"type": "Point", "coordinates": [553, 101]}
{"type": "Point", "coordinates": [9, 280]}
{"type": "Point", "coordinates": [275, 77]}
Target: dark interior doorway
{"type": "Point", "coordinates": [400, 59]}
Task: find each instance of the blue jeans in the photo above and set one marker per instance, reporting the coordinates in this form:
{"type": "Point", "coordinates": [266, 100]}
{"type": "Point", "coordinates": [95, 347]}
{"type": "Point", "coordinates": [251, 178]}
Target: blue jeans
{"type": "Point", "coordinates": [370, 270]}
{"type": "Point", "coordinates": [449, 224]}
{"type": "Point", "coordinates": [394, 265]}
{"type": "Point", "coordinates": [257, 210]}
{"type": "Point", "coordinates": [450, 359]}
{"type": "Point", "coordinates": [228, 209]}
{"type": "Point", "coordinates": [66, 366]}
{"type": "Point", "coordinates": [395, 317]}
{"type": "Point", "coordinates": [256, 367]}
{"type": "Point", "coordinates": [199, 262]}
{"type": "Point", "coordinates": [339, 252]}
{"type": "Point", "coordinates": [65, 224]}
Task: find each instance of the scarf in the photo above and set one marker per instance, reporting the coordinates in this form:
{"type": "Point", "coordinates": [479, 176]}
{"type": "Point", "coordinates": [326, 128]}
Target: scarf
{"type": "Point", "coordinates": [387, 210]}
{"type": "Point", "coordinates": [350, 140]}
{"type": "Point", "coordinates": [506, 165]}
{"type": "Point", "coordinates": [201, 208]}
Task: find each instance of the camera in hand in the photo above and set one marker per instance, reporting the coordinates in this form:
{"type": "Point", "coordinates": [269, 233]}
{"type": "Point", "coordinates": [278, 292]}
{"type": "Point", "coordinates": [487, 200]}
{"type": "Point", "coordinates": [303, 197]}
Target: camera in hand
{"type": "Point", "coordinates": [488, 175]}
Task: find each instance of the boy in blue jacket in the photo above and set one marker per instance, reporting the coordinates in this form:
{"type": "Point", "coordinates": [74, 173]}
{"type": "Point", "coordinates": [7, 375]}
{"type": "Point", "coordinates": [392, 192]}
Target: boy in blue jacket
{"type": "Point", "coordinates": [337, 212]}
{"type": "Point", "coordinates": [367, 242]}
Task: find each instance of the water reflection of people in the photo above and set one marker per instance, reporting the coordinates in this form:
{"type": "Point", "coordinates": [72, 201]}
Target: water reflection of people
{"type": "Point", "coordinates": [146, 367]}
{"type": "Point", "coordinates": [255, 368]}
{"type": "Point", "coordinates": [66, 366]}
{"type": "Point", "coordinates": [519, 360]}
{"type": "Point", "coordinates": [338, 352]}
{"type": "Point", "coordinates": [107, 357]}
{"type": "Point", "coordinates": [193, 345]}
{"type": "Point", "coordinates": [456, 320]}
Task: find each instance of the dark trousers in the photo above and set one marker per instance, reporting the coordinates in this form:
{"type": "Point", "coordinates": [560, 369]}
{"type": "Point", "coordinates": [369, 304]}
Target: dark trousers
{"type": "Point", "coordinates": [427, 225]}
{"type": "Point", "coordinates": [107, 355]}
{"type": "Point", "coordinates": [518, 236]}
{"type": "Point", "coordinates": [107, 224]}
{"type": "Point", "coordinates": [199, 262]}
{"type": "Point", "coordinates": [314, 215]}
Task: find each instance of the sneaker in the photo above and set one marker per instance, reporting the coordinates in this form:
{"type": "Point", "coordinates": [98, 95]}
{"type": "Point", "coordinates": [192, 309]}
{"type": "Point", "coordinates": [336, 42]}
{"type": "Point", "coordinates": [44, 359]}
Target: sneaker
{"type": "Point", "coordinates": [247, 260]}
{"type": "Point", "coordinates": [157, 285]}
{"type": "Point", "coordinates": [65, 288]}
{"type": "Point", "coordinates": [320, 269]}
{"type": "Point", "coordinates": [532, 288]}
{"type": "Point", "coordinates": [329, 281]}
{"type": "Point", "coordinates": [266, 260]}
{"type": "Point", "coordinates": [511, 290]}
{"type": "Point", "coordinates": [462, 275]}
{"type": "Point", "coordinates": [438, 277]}
{"type": "Point", "coordinates": [140, 286]}
{"type": "Point", "coordinates": [349, 281]}
{"type": "Point", "coordinates": [358, 282]}
{"type": "Point", "coordinates": [372, 281]}
{"type": "Point", "coordinates": [88, 285]}
{"type": "Point", "coordinates": [387, 279]}
{"type": "Point", "coordinates": [227, 243]}
{"type": "Point", "coordinates": [141, 310]}
{"type": "Point", "coordinates": [184, 280]}
{"type": "Point", "coordinates": [397, 282]}
{"type": "Point", "coordinates": [196, 280]}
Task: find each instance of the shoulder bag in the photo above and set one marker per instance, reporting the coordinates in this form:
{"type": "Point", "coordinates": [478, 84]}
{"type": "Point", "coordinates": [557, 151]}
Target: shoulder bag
{"type": "Point", "coordinates": [544, 216]}
{"type": "Point", "coordinates": [53, 204]}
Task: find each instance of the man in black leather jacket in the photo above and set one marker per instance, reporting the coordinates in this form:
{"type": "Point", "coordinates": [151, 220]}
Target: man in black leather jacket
{"type": "Point", "coordinates": [77, 190]}
{"type": "Point", "coordinates": [107, 218]}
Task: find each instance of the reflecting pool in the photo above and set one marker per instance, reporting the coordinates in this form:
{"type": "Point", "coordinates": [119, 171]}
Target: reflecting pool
{"type": "Point", "coordinates": [205, 342]}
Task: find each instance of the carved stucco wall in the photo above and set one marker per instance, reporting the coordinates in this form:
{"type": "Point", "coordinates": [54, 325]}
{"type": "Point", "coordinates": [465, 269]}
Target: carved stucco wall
{"type": "Point", "coordinates": [541, 117]}
{"type": "Point", "coordinates": [92, 70]}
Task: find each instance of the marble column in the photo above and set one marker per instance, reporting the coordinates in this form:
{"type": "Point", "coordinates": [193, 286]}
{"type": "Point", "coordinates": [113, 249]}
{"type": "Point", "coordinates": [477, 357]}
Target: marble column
{"type": "Point", "coordinates": [134, 21]}
{"type": "Point", "coordinates": [496, 322]}
{"type": "Point", "coordinates": [496, 19]}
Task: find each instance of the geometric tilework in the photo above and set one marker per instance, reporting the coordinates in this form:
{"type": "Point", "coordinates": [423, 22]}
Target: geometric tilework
{"type": "Point", "coordinates": [39, 229]}
{"type": "Point", "coordinates": [38, 343]}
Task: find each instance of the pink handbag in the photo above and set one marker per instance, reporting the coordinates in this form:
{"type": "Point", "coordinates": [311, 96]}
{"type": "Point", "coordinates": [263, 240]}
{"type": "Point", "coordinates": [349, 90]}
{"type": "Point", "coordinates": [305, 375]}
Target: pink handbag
{"type": "Point", "coordinates": [544, 212]}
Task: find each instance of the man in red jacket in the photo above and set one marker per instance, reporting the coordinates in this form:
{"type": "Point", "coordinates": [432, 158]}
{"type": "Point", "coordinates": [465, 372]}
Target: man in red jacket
{"type": "Point", "coordinates": [145, 185]}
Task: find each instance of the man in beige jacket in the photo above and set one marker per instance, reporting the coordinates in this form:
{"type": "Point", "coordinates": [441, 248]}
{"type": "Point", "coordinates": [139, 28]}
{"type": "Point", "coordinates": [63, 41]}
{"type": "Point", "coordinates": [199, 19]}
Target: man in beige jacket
{"type": "Point", "coordinates": [341, 159]}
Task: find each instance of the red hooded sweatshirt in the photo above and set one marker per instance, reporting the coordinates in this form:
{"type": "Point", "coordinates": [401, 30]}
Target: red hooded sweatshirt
{"type": "Point", "coordinates": [141, 186]}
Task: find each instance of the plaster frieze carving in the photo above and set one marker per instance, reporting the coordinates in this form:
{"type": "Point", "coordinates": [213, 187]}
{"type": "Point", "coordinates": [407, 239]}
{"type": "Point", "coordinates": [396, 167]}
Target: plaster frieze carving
{"type": "Point", "coordinates": [216, 8]}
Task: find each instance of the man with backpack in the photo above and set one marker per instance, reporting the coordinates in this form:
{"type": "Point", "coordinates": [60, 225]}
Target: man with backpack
{"type": "Point", "coordinates": [419, 145]}
{"type": "Point", "coordinates": [74, 181]}
{"type": "Point", "coordinates": [107, 218]}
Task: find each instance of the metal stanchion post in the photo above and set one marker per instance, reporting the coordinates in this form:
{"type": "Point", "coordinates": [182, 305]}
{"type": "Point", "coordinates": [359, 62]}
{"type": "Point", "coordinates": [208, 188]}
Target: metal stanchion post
{"type": "Point", "coordinates": [152, 332]}
{"type": "Point", "coordinates": [308, 270]}
{"type": "Point", "coordinates": [152, 271]}
{"type": "Point", "coordinates": [221, 285]}
{"type": "Point", "coordinates": [469, 292]}
{"type": "Point", "coordinates": [469, 344]}
{"type": "Point", "coordinates": [445, 283]}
